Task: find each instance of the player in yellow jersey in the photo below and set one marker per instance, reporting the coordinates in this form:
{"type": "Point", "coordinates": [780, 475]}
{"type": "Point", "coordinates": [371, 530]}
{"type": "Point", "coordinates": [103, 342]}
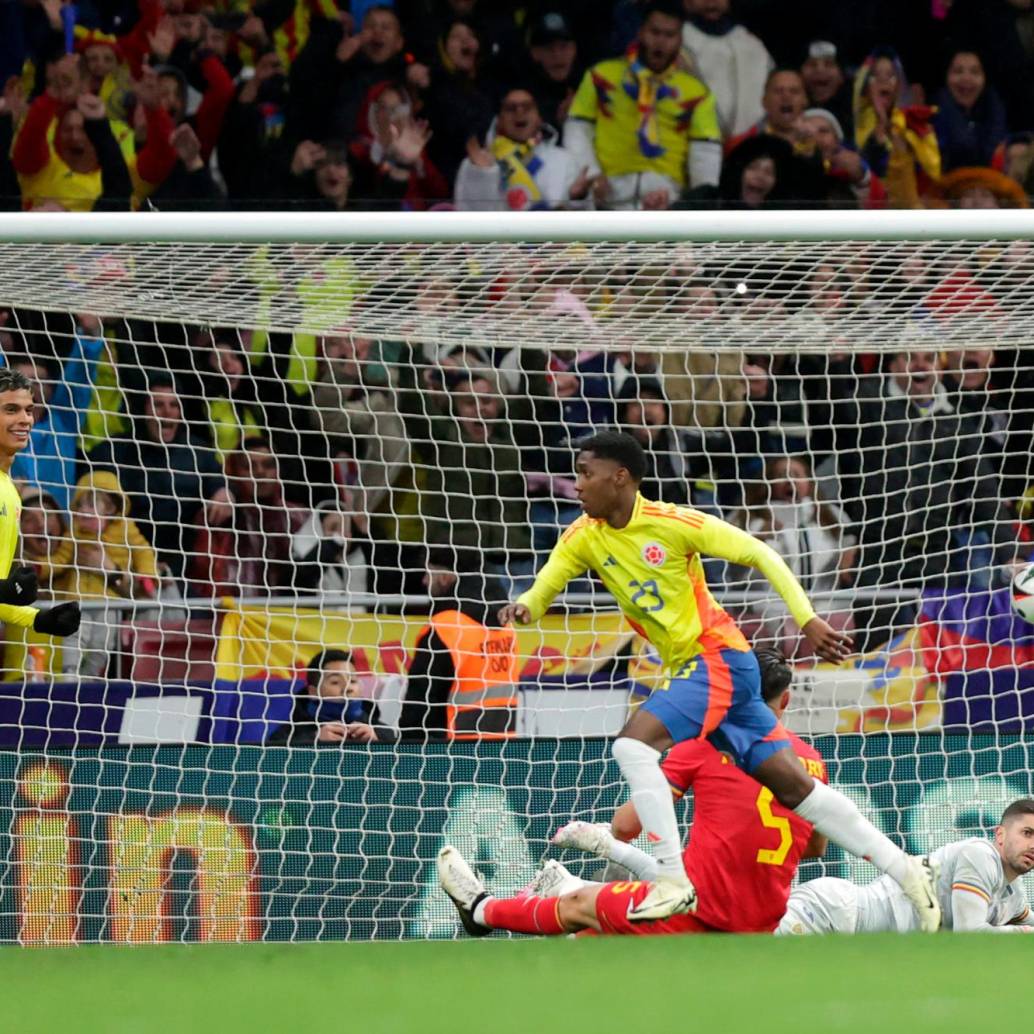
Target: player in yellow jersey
{"type": "Point", "coordinates": [18, 586]}
{"type": "Point", "coordinates": [648, 556]}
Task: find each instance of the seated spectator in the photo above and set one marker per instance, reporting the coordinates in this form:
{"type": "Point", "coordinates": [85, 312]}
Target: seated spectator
{"type": "Point", "coordinates": [1015, 157]}
{"type": "Point", "coordinates": [475, 496]}
{"type": "Point", "coordinates": [61, 401]}
{"type": "Point", "coordinates": [327, 557]}
{"type": "Point", "coordinates": [249, 552]}
{"type": "Point", "coordinates": [321, 177]}
{"type": "Point", "coordinates": [810, 535]}
{"type": "Point", "coordinates": [554, 71]}
{"type": "Point", "coordinates": [917, 481]}
{"type": "Point", "coordinates": [168, 474]}
{"type": "Point", "coordinates": [783, 103]}
{"type": "Point", "coordinates": [978, 187]}
{"type": "Point", "coordinates": [970, 116]}
{"type": "Point", "coordinates": [329, 710]}
{"type": "Point", "coordinates": [521, 166]}
{"type": "Point", "coordinates": [255, 153]}
{"type": "Point", "coordinates": [459, 101]}
{"type": "Point", "coordinates": [644, 412]}
{"type": "Point", "coordinates": [67, 150]}
{"type": "Point", "coordinates": [335, 70]}
{"type": "Point", "coordinates": [462, 680]}
{"type": "Point", "coordinates": [43, 529]}
{"type": "Point", "coordinates": [827, 86]}
{"type": "Point", "coordinates": [230, 395]}
{"type": "Point", "coordinates": [895, 138]}
{"type": "Point", "coordinates": [355, 411]}
{"type": "Point", "coordinates": [181, 59]}
{"type": "Point", "coordinates": [559, 418]}
{"type": "Point", "coordinates": [848, 177]}
{"type": "Point", "coordinates": [628, 123]}
{"type": "Point", "coordinates": [730, 59]}
{"type": "Point", "coordinates": [763, 170]}
{"type": "Point", "coordinates": [389, 153]}
{"type": "Point", "coordinates": [106, 557]}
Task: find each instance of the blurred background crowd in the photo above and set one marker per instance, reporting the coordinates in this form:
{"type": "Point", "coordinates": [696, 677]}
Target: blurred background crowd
{"type": "Point", "coordinates": [416, 104]}
{"type": "Point", "coordinates": [177, 464]}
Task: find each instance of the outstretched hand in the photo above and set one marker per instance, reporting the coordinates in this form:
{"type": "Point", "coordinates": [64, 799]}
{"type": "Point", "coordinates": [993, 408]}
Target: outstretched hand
{"type": "Point", "coordinates": [515, 612]}
{"type": "Point", "coordinates": [827, 642]}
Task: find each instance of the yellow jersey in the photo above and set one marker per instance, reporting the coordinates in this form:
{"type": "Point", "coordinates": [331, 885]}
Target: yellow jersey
{"type": "Point", "coordinates": [653, 569]}
{"type": "Point", "coordinates": [645, 122]}
{"type": "Point", "coordinates": [10, 514]}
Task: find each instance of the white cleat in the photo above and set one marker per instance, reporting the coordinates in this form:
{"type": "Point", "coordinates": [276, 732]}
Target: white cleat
{"type": "Point", "coordinates": [592, 837]}
{"type": "Point", "coordinates": [463, 887]}
{"type": "Point", "coordinates": [920, 887]}
{"type": "Point", "coordinates": [668, 897]}
{"type": "Point", "coordinates": [553, 881]}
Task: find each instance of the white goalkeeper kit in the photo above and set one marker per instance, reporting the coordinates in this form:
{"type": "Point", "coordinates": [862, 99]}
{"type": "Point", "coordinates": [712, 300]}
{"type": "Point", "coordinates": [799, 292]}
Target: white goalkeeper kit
{"type": "Point", "coordinates": [971, 886]}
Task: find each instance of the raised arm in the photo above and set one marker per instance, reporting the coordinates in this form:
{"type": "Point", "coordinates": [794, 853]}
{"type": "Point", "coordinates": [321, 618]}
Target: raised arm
{"type": "Point", "coordinates": [563, 565]}
{"type": "Point", "coordinates": [717, 538]}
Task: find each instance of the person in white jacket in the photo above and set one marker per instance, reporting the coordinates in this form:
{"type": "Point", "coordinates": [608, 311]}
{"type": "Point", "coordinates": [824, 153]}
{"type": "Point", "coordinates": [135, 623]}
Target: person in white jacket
{"type": "Point", "coordinates": [521, 165]}
{"type": "Point", "coordinates": [730, 59]}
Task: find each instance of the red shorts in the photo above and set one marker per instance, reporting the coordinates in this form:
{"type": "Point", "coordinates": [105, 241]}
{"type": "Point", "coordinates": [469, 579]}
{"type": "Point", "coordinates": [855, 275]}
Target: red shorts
{"type": "Point", "coordinates": [615, 899]}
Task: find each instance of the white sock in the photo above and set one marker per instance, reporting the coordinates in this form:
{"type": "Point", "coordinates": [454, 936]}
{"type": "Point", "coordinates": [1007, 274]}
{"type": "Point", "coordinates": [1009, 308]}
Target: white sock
{"type": "Point", "coordinates": [632, 858]}
{"type": "Point", "coordinates": [835, 816]}
{"type": "Point", "coordinates": [479, 911]}
{"type": "Point", "coordinates": [651, 795]}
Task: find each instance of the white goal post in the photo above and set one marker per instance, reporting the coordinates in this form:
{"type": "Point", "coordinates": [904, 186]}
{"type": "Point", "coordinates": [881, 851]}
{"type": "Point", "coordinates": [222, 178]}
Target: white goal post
{"type": "Point", "coordinates": [301, 411]}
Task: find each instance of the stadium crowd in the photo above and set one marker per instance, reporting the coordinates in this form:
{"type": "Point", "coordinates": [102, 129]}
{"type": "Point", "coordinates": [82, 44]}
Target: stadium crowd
{"type": "Point", "coordinates": [170, 461]}
{"type": "Point", "coordinates": [331, 104]}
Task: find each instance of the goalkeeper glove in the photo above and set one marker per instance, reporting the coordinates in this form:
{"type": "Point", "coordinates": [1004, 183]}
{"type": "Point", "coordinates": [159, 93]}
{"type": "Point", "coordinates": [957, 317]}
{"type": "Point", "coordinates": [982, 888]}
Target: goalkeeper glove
{"type": "Point", "coordinates": [61, 620]}
{"type": "Point", "coordinates": [20, 587]}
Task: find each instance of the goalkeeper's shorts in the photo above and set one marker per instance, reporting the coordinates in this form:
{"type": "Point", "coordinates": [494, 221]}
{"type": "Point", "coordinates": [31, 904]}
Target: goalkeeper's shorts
{"type": "Point", "coordinates": [717, 696]}
{"type": "Point", "coordinates": [614, 902]}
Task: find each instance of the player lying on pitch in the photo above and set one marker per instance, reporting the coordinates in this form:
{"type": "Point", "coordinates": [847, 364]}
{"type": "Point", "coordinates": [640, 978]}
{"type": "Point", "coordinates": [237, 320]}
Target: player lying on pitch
{"type": "Point", "coordinates": [648, 556]}
{"type": "Point", "coordinates": [978, 886]}
{"type": "Point", "coordinates": [741, 857]}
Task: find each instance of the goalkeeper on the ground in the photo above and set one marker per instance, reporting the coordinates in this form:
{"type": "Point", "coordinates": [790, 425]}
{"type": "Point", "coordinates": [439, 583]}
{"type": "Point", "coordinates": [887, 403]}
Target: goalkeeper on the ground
{"type": "Point", "coordinates": [18, 585]}
{"type": "Point", "coordinates": [978, 883]}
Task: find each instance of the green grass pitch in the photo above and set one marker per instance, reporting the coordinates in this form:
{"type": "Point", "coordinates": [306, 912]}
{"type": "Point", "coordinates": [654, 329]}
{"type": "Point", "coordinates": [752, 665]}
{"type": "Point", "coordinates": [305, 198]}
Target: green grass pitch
{"type": "Point", "coordinates": [714, 984]}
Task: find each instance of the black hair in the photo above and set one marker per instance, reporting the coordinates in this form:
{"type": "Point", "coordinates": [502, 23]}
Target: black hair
{"type": "Point", "coordinates": [670, 8]}
{"type": "Point", "coordinates": [621, 448]}
{"type": "Point", "coordinates": [1024, 806]}
{"type": "Point", "coordinates": [776, 673]}
{"type": "Point", "coordinates": [317, 664]}
{"type": "Point", "coordinates": [14, 380]}
{"type": "Point", "coordinates": [780, 70]}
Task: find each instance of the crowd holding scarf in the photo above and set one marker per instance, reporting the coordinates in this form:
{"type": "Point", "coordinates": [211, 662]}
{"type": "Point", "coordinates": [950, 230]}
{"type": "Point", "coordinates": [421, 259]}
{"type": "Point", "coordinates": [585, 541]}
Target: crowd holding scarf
{"type": "Point", "coordinates": [908, 158]}
{"type": "Point", "coordinates": [520, 164]}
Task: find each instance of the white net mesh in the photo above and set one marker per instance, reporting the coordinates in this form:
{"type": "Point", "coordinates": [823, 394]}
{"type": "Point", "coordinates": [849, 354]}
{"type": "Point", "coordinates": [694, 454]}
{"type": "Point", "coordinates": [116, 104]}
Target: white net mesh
{"type": "Point", "coordinates": [248, 454]}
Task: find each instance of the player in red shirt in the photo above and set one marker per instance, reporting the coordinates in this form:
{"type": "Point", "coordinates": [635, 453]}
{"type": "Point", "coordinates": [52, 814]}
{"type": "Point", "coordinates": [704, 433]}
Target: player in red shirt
{"type": "Point", "coordinates": [744, 848]}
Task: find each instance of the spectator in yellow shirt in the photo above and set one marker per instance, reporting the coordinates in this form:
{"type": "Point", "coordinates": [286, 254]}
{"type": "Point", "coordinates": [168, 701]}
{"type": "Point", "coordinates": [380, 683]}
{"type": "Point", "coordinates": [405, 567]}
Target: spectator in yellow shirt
{"type": "Point", "coordinates": [644, 128]}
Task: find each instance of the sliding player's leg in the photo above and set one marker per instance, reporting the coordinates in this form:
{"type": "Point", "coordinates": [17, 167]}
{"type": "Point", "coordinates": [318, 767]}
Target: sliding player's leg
{"type": "Point", "coordinates": [598, 907]}
{"type": "Point", "coordinates": [825, 905]}
{"type": "Point", "coordinates": [597, 838]}
{"type": "Point", "coordinates": [753, 735]}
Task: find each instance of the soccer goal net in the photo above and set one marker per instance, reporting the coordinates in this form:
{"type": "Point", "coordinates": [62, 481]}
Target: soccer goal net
{"type": "Point", "coordinates": [269, 452]}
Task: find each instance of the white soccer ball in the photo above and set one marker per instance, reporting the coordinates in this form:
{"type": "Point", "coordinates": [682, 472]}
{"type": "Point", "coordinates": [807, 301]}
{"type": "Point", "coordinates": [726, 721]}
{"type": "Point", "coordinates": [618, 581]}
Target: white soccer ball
{"type": "Point", "coordinates": [1023, 593]}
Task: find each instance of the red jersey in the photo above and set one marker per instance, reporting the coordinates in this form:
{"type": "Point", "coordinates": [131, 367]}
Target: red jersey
{"type": "Point", "coordinates": [744, 847]}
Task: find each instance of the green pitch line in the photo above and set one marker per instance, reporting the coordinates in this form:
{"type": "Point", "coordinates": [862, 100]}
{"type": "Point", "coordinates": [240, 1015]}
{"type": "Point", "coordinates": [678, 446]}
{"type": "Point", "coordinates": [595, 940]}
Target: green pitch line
{"type": "Point", "coordinates": [687, 985]}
